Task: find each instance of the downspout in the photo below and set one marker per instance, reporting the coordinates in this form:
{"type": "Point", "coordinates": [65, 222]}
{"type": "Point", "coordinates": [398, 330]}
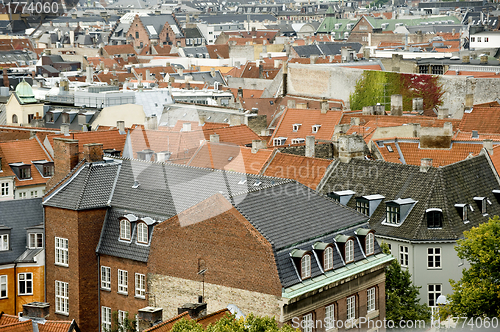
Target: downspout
{"type": "Point", "coordinates": [15, 289]}
{"type": "Point", "coordinates": [99, 288]}
{"type": "Point", "coordinates": [45, 260]}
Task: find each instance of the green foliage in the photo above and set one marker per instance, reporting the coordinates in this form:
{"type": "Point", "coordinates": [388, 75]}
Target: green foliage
{"type": "Point", "coordinates": [378, 86]}
{"type": "Point", "coordinates": [402, 301]}
{"type": "Point", "coordinates": [378, 3]}
{"type": "Point", "coordinates": [127, 325]}
{"type": "Point", "coordinates": [477, 294]}
{"type": "Point", "coordinates": [229, 323]}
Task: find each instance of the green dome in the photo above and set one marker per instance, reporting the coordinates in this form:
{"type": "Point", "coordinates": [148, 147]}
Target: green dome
{"type": "Point", "coordinates": [24, 90]}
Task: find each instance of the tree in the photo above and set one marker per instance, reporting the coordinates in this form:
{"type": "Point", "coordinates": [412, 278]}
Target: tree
{"type": "Point", "coordinates": [402, 302]}
{"type": "Point", "coordinates": [127, 325]}
{"type": "Point", "coordinates": [477, 294]}
{"type": "Point", "coordinates": [229, 323]}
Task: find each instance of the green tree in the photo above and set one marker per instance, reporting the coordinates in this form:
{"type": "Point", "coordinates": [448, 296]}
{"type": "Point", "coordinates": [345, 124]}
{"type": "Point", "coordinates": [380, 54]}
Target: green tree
{"type": "Point", "coordinates": [402, 302]}
{"type": "Point", "coordinates": [127, 325]}
{"type": "Point", "coordinates": [477, 294]}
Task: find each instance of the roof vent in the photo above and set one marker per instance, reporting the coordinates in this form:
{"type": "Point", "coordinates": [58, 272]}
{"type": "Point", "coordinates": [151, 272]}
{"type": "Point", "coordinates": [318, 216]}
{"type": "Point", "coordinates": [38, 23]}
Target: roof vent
{"type": "Point", "coordinates": [136, 184]}
{"type": "Point", "coordinates": [475, 134]}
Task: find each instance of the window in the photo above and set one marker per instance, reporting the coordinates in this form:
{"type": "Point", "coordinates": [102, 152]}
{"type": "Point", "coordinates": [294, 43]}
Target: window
{"type": "Point", "coordinates": [434, 218]}
{"type": "Point", "coordinates": [369, 244]}
{"type": "Point", "coordinates": [486, 39]}
{"type": "Point", "coordinates": [328, 258]}
{"type": "Point", "coordinates": [34, 193]}
{"type": "Point", "coordinates": [4, 242]}
{"type": "Point", "coordinates": [279, 141]}
{"type": "Point", "coordinates": [3, 287]}
{"type": "Point", "coordinates": [22, 195]}
{"type": "Point", "coordinates": [307, 323]}
{"type": "Point", "coordinates": [330, 317]}
{"type": "Point", "coordinates": [61, 251]}
{"type": "Point", "coordinates": [433, 292]}
{"type": "Point", "coordinates": [62, 298]}
{"type": "Point", "coordinates": [140, 285]}
{"type": "Point", "coordinates": [393, 214]}
{"type": "Point", "coordinates": [481, 203]}
{"type": "Point", "coordinates": [14, 118]}
{"type": "Point", "coordinates": [315, 128]}
{"type": "Point", "coordinates": [106, 319]}
{"type": "Point", "coordinates": [35, 240]}
{"type": "Point", "coordinates": [137, 34]}
{"type": "Point", "coordinates": [472, 39]}
{"type": "Point", "coordinates": [370, 297]}
{"type": "Point", "coordinates": [305, 266]}
{"type": "Point", "coordinates": [25, 283]}
{"type": "Point", "coordinates": [142, 233]}
{"type": "Point", "coordinates": [437, 69]}
{"type": "Point", "coordinates": [433, 258]}
{"type": "Point", "coordinates": [48, 170]}
{"type": "Point", "coordinates": [478, 39]}
{"type": "Point", "coordinates": [106, 277]}
{"type": "Point", "coordinates": [351, 308]}
{"type": "Point", "coordinates": [363, 206]}
{"type": "Point", "coordinates": [349, 251]}
{"type": "Point", "coordinates": [4, 189]}
{"type": "Point", "coordinates": [125, 229]}
{"type": "Point", "coordinates": [122, 282]}
{"type": "Point", "coordinates": [122, 317]}
{"type": "Point", "coordinates": [65, 117]}
{"type": "Point", "coordinates": [296, 127]}
{"type": "Point", "coordinates": [403, 255]}
{"type": "Point", "coordinates": [25, 172]}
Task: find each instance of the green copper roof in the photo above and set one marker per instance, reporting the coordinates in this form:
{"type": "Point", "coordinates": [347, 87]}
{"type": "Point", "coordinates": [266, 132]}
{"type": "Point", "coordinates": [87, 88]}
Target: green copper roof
{"type": "Point", "coordinates": [336, 275]}
{"type": "Point", "coordinates": [24, 93]}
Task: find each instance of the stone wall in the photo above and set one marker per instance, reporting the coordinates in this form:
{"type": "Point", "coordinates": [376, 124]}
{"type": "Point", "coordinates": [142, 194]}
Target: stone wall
{"type": "Point", "coordinates": [324, 150]}
{"type": "Point", "coordinates": [171, 293]}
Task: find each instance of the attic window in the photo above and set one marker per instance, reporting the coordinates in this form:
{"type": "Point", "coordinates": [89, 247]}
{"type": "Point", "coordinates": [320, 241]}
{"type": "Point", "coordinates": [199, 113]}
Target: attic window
{"type": "Point", "coordinates": [315, 128]}
{"type": "Point", "coordinates": [369, 244]}
{"type": "Point", "coordinates": [434, 218]}
{"type": "Point", "coordinates": [397, 210]}
{"type": "Point", "coordinates": [462, 210]}
{"type": "Point", "coordinates": [362, 206]}
{"type": "Point", "coordinates": [305, 266]}
{"type": "Point", "coordinates": [125, 229]}
{"type": "Point", "coordinates": [142, 232]}
{"type": "Point", "coordinates": [22, 170]}
{"type": "Point", "coordinates": [389, 148]}
{"type": "Point", "coordinates": [279, 141]}
{"type": "Point", "coordinates": [393, 214]}
{"type": "Point", "coordinates": [342, 197]}
{"type": "Point", "coordinates": [296, 127]}
{"type": "Point", "coordinates": [481, 203]}
{"type": "Point", "coordinates": [298, 140]}
{"type": "Point", "coordinates": [349, 251]}
{"type": "Point", "coordinates": [328, 258]}
{"type": "Point", "coordinates": [65, 118]}
{"type": "Point", "coordinates": [368, 204]}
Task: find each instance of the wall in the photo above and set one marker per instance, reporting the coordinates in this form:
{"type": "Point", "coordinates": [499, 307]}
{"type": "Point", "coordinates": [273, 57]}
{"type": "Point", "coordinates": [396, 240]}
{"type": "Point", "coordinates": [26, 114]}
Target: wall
{"type": "Point", "coordinates": [320, 150]}
{"type": "Point", "coordinates": [391, 132]}
{"type": "Point", "coordinates": [130, 113]}
{"type": "Point", "coordinates": [30, 192]}
{"type": "Point", "coordinates": [22, 111]}
{"type": "Point", "coordinates": [248, 83]}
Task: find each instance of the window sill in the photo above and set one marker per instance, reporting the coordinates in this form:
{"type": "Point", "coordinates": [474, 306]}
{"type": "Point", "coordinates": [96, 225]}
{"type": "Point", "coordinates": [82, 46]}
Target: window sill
{"type": "Point", "coordinates": [6, 297]}
{"type": "Point", "coordinates": [434, 268]}
{"type": "Point", "coordinates": [106, 289]}
{"type": "Point", "coordinates": [140, 297]}
{"type": "Point", "coordinates": [123, 293]}
{"type": "Point", "coordinates": [372, 314]}
{"type": "Point", "coordinates": [62, 313]}
{"type": "Point", "coordinates": [61, 264]}
{"type": "Point", "coordinates": [27, 294]}
{"type": "Point", "coordinates": [351, 323]}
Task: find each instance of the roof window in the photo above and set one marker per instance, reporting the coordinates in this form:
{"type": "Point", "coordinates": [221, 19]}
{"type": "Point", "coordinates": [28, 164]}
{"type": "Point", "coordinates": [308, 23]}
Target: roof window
{"type": "Point", "coordinates": [481, 204]}
{"type": "Point", "coordinates": [342, 197]}
{"type": "Point", "coordinates": [325, 255]}
{"type": "Point", "coordinates": [462, 210]}
{"type": "Point", "coordinates": [315, 128]}
{"type": "Point", "coordinates": [367, 240]}
{"type": "Point", "coordinates": [397, 210]}
{"type": "Point", "coordinates": [279, 141]}
{"type": "Point", "coordinates": [368, 204]}
{"type": "Point", "coordinates": [434, 218]}
{"type": "Point", "coordinates": [296, 127]}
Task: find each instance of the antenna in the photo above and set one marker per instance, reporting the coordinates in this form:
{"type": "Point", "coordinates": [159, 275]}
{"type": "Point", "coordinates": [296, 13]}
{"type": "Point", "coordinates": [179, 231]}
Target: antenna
{"type": "Point", "coordinates": [202, 273]}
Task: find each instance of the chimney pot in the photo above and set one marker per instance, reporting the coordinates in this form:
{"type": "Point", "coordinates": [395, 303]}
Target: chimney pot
{"type": "Point", "coordinates": [93, 152]}
{"type": "Point", "coordinates": [425, 164]}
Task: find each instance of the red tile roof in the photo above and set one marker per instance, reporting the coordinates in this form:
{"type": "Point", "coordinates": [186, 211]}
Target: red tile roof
{"type": "Point", "coordinates": [107, 62]}
{"type": "Point", "coordinates": [162, 50]}
{"type": "Point", "coordinates": [54, 326]}
{"type": "Point", "coordinates": [167, 325]}
{"type": "Point", "coordinates": [218, 51]}
{"type": "Point", "coordinates": [425, 121]}
{"type": "Point", "coordinates": [230, 158]}
{"type": "Point", "coordinates": [6, 319]}
{"type": "Point", "coordinates": [306, 118]}
{"type": "Point", "coordinates": [462, 136]}
{"type": "Point", "coordinates": [308, 171]}
{"type": "Point", "coordinates": [111, 139]}
{"type": "Point", "coordinates": [213, 317]}
{"type": "Point", "coordinates": [26, 326]}
{"type": "Point", "coordinates": [247, 93]}
{"type": "Point", "coordinates": [495, 158]}
{"type": "Point", "coordinates": [476, 120]}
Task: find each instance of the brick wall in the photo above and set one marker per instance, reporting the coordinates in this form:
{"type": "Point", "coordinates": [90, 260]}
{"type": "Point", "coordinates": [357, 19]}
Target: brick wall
{"type": "Point", "coordinates": [82, 229]}
{"type": "Point", "coordinates": [112, 299]}
{"type": "Point", "coordinates": [143, 36]}
{"type": "Point", "coordinates": [66, 157]}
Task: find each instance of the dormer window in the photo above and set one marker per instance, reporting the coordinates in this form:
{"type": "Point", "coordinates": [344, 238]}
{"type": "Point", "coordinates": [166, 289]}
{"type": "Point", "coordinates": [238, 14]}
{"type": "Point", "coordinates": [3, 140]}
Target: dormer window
{"type": "Point", "coordinates": [463, 211]}
{"type": "Point", "coordinates": [296, 127]}
{"type": "Point", "coordinates": [4, 242]}
{"type": "Point", "coordinates": [397, 210]}
{"type": "Point", "coordinates": [342, 197]}
{"type": "Point", "coordinates": [45, 167]}
{"type": "Point", "coordinates": [279, 141]}
{"type": "Point", "coordinates": [362, 206]}
{"type": "Point", "coordinates": [368, 204]}
{"type": "Point", "coordinates": [142, 232]}
{"type": "Point", "coordinates": [434, 218]}
{"type": "Point", "coordinates": [298, 140]}
{"type": "Point", "coordinates": [315, 128]}
{"type": "Point", "coordinates": [22, 170]}
{"type": "Point", "coordinates": [65, 118]}
{"type": "Point", "coordinates": [145, 154]}
{"type": "Point", "coordinates": [125, 229]}
{"type": "Point", "coordinates": [369, 244]}
{"type": "Point", "coordinates": [482, 204]}
{"type": "Point", "coordinates": [393, 216]}
{"type": "Point", "coordinates": [328, 259]}
{"type": "Point", "coordinates": [367, 240]}
{"type": "Point", "coordinates": [349, 251]}
{"type": "Point", "coordinates": [35, 240]}
{"type": "Point", "coordinates": [305, 266]}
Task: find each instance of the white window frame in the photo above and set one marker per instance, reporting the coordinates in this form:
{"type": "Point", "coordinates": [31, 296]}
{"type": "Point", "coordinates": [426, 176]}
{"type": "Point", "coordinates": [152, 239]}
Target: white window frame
{"type": "Point", "coordinates": [307, 323]}
{"type": "Point", "coordinates": [62, 297]}
{"type": "Point", "coordinates": [330, 317]}
{"type": "Point", "coordinates": [4, 242]}
{"type": "Point", "coordinates": [351, 307]}
{"type": "Point", "coordinates": [122, 282]}
{"type": "Point", "coordinates": [62, 251]}
{"type": "Point", "coordinates": [434, 293]}
{"type": "Point", "coordinates": [122, 315]}
{"type": "Point", "coordinates": [4, 286]}
{"type": "Point", "coordinates": [328, 258]}
{"type": "Point", "coordinates": [4, 188]}
{"type": "Point", "coordinates": [370, 244]}
{"type": "Point", "coordinates": [140, 285]}
{"type": "Point", "coordinates": [315, 128]}
{"type": "Point", "coordinates": [349, 251]}
{"type": "Point", "coordinates": [22, 278]}
{"type": "Point", "coordinates": [370, 299]}
{"type": "Point", "coordinates": [305, 266]}
{"type": "Point", "coordinates": [434, 258]}
{"type": "Point", "coordinates": [33, 240]}
{"type": "Point", "coordinates": [142, 233]}
{"type": "Point", "coordinates": [106, 278]}
{"type": "Point", "coordinates": [404, 255]}
{"type": "Point", "coordinates": [105, 319]}
{"type": "Point", "coordinates": [125, 229]}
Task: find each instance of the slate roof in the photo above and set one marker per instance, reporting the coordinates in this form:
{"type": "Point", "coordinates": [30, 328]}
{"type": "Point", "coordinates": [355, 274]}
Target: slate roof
{"type": "Point", "coordinates": [18, 214]}
{"type": "Point", "coordinates": [441, 188]}
{"type": "Point", "coordinates": [231, 18]}
{"type": "Point", "coordinates": [157, 22]}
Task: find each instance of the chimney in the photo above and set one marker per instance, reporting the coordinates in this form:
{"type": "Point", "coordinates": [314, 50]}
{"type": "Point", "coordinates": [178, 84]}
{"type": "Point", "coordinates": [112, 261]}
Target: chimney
{"type": "Point", "coordinates": [416, 130]}
{"type": "Point", "coordinates": [258, 144]}
{"type": "Point", "coordinates": [418, 105]}
{"type": "Point", "coordinates": [310, 146]}
{"type": "Point", "coordinates": [195, 310]}
{"type": "Point", "coordinates": [425, 164]}
{"type": "Point", "coordinates": [379, 109]}
{"type": "Point", "coordinates": [65, 129]}
{"type": "Point", "coordinates": [162, 156]}
{"type": "Point", "coordinates": [368, 110]}
{"type": "Point", "coordinates": [324, 106]}
{"type": "Point", "coordinates": [93, 152]}
{"type": "Point", "coordinates": [466, 59]}
{"type": "Point", "coordinates": [186, 126]}
{"type": "Point", "coordinates": [148, 75]}
{"type": "Point", "coordinates": [36, 310]}
{"type": "Point", "coordinates": [469, 100]}
{"type": "Point", "coordinates": [355, 122]}
{"type": "Point", "coordinates": [121, 127]}
{"type": "Point", "coordinates": [234, 120]}
{"type": "Point", "coordinates": [436, 138]}
{"type": "Point", "coordinates": [442, 113]}
{"type": "Point", "coordinates": [397, 105]}
{"type": "Point", "coordinates": [488, 145]}
{"type": "Point", "coordinates": [350, 147]}
{"type": "Point", "coordinates": [148, 317]}
{"type": "Point", "coordinates": [65, 158]}
{"type": "Point", "coordinates": [484, 59]}
{"type": "Point", "coordinates": [313, 59]}
{"type": "Point", "coordinates": [290, 103]}
{"type": "Point", "coordinates": [448, 129]}
{"type": "Point", "coordinates": [212, 72]}
{"type": "Point", "coordinates": [201, 119]}
{"type": "Point", "coordinates": [240, 92]}
{"type": "Point", "coordinates": [214, 138]}
{"type": "Point", "coordinates": [180, 71]}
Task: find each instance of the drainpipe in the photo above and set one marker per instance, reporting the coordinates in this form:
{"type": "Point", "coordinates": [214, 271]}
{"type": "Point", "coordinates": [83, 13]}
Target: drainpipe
{"type": "Point", "coordinates": [99, 288]}
{"type": "Point", "coordinates": [15, 289]}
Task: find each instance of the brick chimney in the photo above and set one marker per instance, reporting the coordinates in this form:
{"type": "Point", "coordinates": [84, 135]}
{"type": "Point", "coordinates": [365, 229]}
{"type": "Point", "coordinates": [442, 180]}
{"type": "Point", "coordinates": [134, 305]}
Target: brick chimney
{"type": "Point", "coordinates": [93, 152]}
{"type": "Point", "coordinates": [148, 317]}
{"type": "Point", "coordinates": [66, 157]}
{"type": "Point", "coordinates": [324, 106]}
{"type": "Point", "coordinates": [195, 310]}
{"type": "Point", "coordinates": [258, 145]}
{"type": "Point", "coordinates": [397, 105]}
{"type": "Point", "coordinates": [36, 310]}
{"type": "Point", "coordinates": [310, 146]}
{"type": "Point", "coordinates": [351, 146]}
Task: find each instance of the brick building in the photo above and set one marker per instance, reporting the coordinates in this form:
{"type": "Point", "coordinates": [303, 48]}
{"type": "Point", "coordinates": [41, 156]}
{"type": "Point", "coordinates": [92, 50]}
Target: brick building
{"type": "Point", "coordinates": [155, 30]}
{"type": "Point", "coordinates": [151, 233]}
